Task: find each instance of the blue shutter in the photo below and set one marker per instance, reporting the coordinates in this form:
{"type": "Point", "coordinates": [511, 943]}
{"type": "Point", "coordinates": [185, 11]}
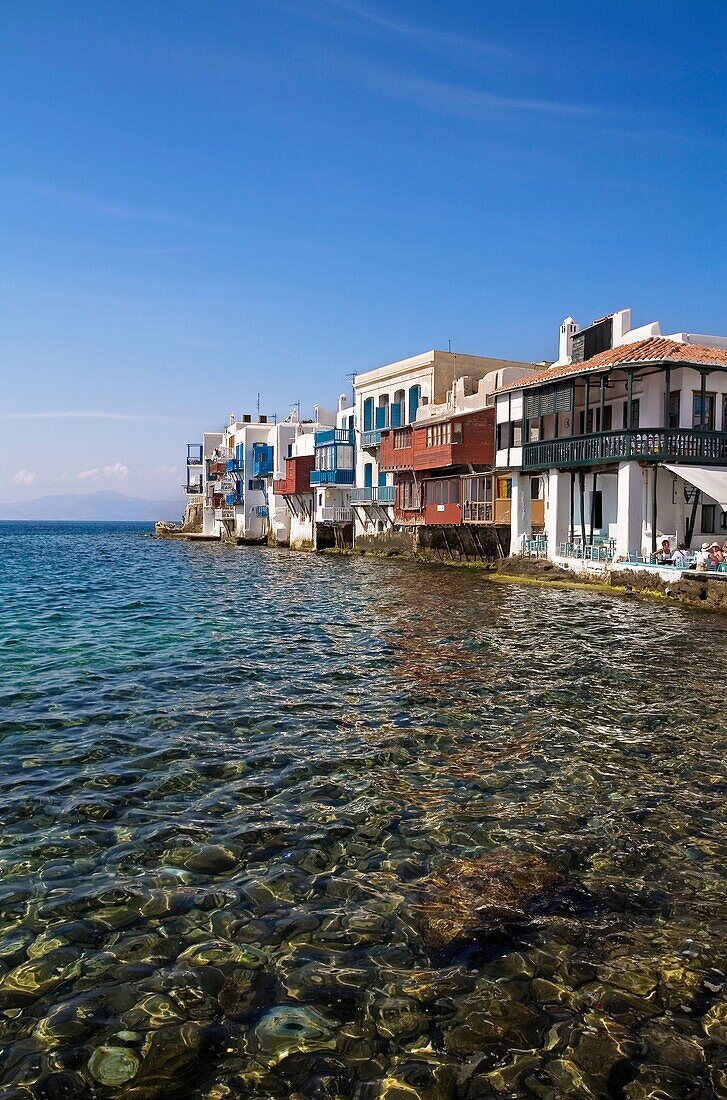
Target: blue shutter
{"type": "Point", "coordinates": [368, 414]}
{"type": "Point", "coordinates": [368, 475]}
{"type": "Point", "coordinates": [414, 395]}
{"type": "Point", "coordinates": [396, 415]}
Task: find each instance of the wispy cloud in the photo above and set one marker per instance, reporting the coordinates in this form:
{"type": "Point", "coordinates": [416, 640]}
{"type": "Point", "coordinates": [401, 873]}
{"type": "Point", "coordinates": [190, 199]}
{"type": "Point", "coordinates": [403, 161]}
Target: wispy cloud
{"type": "Point", "coordinates": [457, 99]}
{"type": "Point", "coordinates": [425, 36]}
{"type": "Point", "coordinates": [24, 477]}
{"type": "Point", "coordinates": [116, 472]}
{"type": "Point", "coordinates": [89, 204]}
{"type": "Point", "coordinates": [89, 415]}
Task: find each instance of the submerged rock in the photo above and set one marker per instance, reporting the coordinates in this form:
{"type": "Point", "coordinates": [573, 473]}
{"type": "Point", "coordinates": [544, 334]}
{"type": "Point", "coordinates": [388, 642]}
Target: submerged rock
{"type": "Point", "coordinates": [292, 1029]}
{"type": "Point", "coordinates": [465, 899]}
{"type": "Point", "coordinates": [113, 1065]}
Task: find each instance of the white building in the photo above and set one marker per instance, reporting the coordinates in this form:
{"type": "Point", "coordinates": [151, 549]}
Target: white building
{"type": "Point", "coordinates": [290, 492]}
{"type": "Point", "coordinates": [394, 397]}
{"type": "Point", "coordinates": [628, 432]}
{"type": "Point", "coordinates": [332, 479]}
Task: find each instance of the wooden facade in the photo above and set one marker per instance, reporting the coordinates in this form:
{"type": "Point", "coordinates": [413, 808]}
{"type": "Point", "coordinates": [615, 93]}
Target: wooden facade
{"type": "Point", "coordinates": [297, 476]}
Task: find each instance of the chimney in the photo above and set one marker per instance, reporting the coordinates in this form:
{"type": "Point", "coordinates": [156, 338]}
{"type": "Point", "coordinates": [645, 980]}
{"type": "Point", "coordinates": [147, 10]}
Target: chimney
{"type": "Point", "coordinates": [246, 418]}
{"type": "Point", "coordinates": [232, 419]}
{"type": "Point", "coordinates": [342, 402]}
{"type": "Point", "coordinates": [263, 419]}
{"type": "Point", "coordinates": [567, 331]}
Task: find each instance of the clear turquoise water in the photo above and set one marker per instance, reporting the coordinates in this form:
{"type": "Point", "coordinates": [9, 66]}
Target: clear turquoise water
{"type": "Point", "coordinates": [238, 788]}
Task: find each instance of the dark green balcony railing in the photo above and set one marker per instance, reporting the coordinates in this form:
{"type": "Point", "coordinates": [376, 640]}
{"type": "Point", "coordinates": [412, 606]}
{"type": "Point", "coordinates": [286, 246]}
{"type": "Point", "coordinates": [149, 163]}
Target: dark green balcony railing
{"type": "Point", "coordinates": [639, 444]}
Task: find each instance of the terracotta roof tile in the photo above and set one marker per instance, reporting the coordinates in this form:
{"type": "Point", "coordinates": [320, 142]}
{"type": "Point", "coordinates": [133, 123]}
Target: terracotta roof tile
{"type": "Point", "coordinates": [655, 349]}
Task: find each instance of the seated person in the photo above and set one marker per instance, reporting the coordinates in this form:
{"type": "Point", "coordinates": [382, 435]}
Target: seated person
{"type": "Point", "coordinates": [664, 554]}
{"type": "Point", "coordinates": [702, 557]}
{"type": "Point", "coordinates": [716, 557]}
{"type": "Point", "coordinates": [681, 557]}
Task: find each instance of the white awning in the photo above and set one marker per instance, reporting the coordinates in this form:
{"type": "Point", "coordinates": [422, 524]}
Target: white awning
{"type": "Point", "coordinates": [712, 480]}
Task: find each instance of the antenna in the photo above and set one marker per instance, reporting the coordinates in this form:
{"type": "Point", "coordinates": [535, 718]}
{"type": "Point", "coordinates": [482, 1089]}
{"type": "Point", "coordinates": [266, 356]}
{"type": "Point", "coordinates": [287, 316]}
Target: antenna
{"type": "Point", "coordinates": [449, 345]}
{"type": "Point", "coordinates": [258, 407]}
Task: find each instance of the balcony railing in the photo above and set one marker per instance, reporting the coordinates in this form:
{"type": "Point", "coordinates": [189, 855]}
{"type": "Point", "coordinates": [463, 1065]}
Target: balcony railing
{"type": "Point", "coordinates": [373, 494]}
{"type": "Point", "coordinates": [371, 439]}
{"type": "Point", "coordinates": [234, 467]}
{"type": "Point", "coordinates": [477, 511]}
{"type": "Point", "coordinates": [194, 454]}
{"type": "Point", "coordinates": [194, 487]}
{"type": "Point", "coordinates": [261, 510]}
{"type": "Point", "coordinates": [331, 477]}
{"type": "Point", "coordinates": [336, 515]}
{"type": "Point", "coordinates": [334, 435]}
{"type": "Point", "coordinates": [642, 444]}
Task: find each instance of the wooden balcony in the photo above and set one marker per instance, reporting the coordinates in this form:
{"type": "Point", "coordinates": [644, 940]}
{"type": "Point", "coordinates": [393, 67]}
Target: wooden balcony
{"type": "Point", "coordinates": [689, 445]}
{"type": "Point", "coordinates": [297, 476]}
{"type": "Point", "coordinates": [397, 450]}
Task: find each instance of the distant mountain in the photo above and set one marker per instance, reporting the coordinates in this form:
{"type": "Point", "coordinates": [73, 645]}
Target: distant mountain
{"type": "Point", "coordinates": [103, 505]}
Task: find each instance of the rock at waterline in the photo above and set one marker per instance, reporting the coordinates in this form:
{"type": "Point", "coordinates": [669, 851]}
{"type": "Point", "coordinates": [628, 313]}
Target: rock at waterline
{"type": "Point", "coordinates": [464, 899]}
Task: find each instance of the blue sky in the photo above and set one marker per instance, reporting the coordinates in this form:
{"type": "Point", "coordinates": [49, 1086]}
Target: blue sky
{"type": "Point", "coordinates": [203, 201]}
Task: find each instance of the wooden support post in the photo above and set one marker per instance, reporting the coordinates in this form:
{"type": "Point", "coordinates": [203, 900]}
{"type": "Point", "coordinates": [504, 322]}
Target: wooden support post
{"type": "Point", "coordinates": [653, 508]}
{"type": "Point", "coordinates": [667, 395]}
{"type": "Point", "coordinates": [703, 400]}
{"type": "Point", "coordinates": [586, 403]}
{"type": "Point", "coordinates": [602, 425]}
{"type": "Point", "coordinates": [629, 400]}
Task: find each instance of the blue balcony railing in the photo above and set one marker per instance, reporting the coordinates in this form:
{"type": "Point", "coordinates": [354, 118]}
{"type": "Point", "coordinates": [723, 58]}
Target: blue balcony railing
{"type": "Point", "coordinates": [194, 454]}
{"type": "Point", "coordinates": [331, 477]}
{"type": "Point", "coordinates": [371, 439]}
{"type": "Point", "coordinates": [233, 466]}
{"type": "Point", "coordinates": [334, 435]}
{"type": "Point", "coordinates": [261, 510]}
{"type": "Point", "coordinates": [373, 494]}
{"type": "Point", "coordinates": [233, 498]}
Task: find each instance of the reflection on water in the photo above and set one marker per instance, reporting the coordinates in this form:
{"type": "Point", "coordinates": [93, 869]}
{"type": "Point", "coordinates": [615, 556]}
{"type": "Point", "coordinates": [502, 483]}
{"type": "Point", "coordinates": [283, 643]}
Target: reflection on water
{"type": "Point", "coordinates": [274, 825]}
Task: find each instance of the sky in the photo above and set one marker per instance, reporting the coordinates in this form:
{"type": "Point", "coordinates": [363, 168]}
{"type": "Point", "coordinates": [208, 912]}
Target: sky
{"type": "Point", "coordinates": [202, 202]}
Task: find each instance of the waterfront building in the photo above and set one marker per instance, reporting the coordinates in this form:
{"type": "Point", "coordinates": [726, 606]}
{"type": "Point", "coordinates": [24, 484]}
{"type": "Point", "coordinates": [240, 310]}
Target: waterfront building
{"type": "Point", "coordinates": [332, 479]}
{"type": "Point", "coordinates": [236, 503]}
{"type": "Point", "coordinates": [627, 431]}
{"type": "Point", "coordinates": [427, 423]}
{"type": "Point", "coordinates": [291, 485]}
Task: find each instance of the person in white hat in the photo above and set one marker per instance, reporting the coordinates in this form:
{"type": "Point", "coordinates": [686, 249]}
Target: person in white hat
{"type": "Point", "coordinates": [702, 558]}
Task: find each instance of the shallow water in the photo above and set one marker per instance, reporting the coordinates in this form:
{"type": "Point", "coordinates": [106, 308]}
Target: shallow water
{"type": "Point", "coordinates": [245, 794]}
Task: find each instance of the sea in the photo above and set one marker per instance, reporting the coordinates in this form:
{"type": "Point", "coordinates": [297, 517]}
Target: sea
{"type": "Point", "coordinates": [286, 825]}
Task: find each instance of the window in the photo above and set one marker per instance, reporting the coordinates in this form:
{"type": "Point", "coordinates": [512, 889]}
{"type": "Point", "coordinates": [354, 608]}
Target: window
{"type": "Point", "coordinates": [344, 457]}
{"type": "Point", "coordinates": [675, 398]}
{"type": "Point", "coordinates": [502, 436]}
{"type": "Point", "coordinates": [439, 435]}
{"type": "Point", "coordinates": [586, 428]}
{"type": "Point", "coordinates": [478, 489]}
{"type": "Point", "coordinates": [535, 488]}
{"type": "Point", "coordinates": [634, 413]}
{"type": "Point", "coordinates": [517, 433]}
{"type": "Point", "coordinates": [457, 433]}
{"type": "Point", "coordinates": [607, 418]}
{"type": "Point", "coordinates": [703, 418]}
{"type": "Point", "coordinates": [409, 496]}
{"type": "Point", "coordinates": [723, 521]}
{"type": "Point", "coordinates": [443, 491]}
{"type": "Point", "coordinates": [708, 518]}
{"type": "Point", "coordinates": [402, 439]}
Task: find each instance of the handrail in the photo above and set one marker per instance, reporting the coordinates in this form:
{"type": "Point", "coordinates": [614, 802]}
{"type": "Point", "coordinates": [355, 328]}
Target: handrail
{"type": "Point", "coordinates": [642, 444]}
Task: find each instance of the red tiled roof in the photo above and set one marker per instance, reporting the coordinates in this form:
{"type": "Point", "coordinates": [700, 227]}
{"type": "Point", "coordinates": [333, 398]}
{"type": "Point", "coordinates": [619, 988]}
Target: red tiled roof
{"type": "Point", "coordinates": [655, 349]}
